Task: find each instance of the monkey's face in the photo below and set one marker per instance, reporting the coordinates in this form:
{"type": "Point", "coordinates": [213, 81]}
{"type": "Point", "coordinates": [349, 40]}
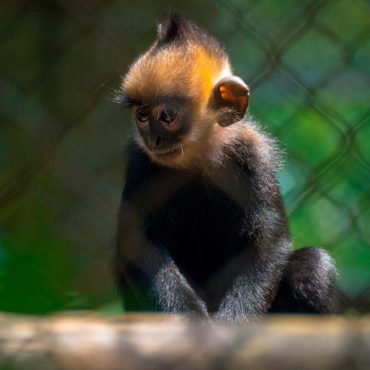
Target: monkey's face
{"type": "Point", "coordinates": [163, 124]}
{"type": "Point", "coordinates": [176, 129]}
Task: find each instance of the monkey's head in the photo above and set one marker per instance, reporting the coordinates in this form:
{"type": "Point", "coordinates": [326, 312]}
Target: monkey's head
{"type": "Point", "coordinates": [180, 91]}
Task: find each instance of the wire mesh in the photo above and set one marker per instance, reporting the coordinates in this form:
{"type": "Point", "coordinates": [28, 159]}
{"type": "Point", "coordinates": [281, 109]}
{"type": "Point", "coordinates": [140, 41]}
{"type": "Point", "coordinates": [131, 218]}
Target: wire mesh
{"type": "Point", "coordinates": [61, 137]}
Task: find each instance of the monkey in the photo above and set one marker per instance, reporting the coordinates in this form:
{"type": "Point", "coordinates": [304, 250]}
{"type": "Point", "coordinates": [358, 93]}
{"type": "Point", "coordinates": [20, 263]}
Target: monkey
{"type": "Point", "coordinates": [202, 229]}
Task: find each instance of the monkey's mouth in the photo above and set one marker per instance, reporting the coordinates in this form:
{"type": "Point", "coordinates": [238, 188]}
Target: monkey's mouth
{"type": "Point", "coordinates": [169, 152]}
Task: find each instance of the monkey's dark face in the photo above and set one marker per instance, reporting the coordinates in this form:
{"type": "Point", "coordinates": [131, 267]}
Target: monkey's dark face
{"type": "Point", "coordinates": [163, 124]}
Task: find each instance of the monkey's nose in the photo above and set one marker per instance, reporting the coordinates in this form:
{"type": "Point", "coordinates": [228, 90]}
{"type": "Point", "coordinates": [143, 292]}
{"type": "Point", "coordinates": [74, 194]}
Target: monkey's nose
{"type": "Point", "coordinates": [167, 120]}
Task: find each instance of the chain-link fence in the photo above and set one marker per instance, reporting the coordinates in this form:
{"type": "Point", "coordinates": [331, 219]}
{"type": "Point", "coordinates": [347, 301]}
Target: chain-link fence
{"type": "Point", "coordinates": [61, 137]}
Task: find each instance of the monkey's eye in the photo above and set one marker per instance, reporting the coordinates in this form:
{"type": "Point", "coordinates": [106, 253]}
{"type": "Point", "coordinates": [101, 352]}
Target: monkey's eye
{"type": "Point", "coordinates": [167, 115]}
{"type": "Point", "coordinates": [142, 115]}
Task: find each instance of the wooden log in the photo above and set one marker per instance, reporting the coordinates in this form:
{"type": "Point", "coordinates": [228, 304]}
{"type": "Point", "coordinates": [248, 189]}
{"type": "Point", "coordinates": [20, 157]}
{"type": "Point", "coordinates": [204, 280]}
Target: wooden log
{"type": "Point", "coordinates": [160, 342]}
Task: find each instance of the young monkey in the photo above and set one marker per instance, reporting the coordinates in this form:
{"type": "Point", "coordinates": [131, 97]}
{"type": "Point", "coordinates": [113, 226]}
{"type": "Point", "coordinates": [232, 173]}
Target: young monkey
{"type": "Point", "coordinates": [202, 228]}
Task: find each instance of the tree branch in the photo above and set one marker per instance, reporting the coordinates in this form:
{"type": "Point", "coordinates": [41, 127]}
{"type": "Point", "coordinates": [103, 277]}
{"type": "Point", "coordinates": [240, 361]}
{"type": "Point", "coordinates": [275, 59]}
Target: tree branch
{"type": "Point", "coordinates": [159, 342]}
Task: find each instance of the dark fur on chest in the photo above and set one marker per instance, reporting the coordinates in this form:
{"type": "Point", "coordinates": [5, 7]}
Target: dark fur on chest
{"type": "Point", "coordinates": [211, 226]}
{"type": "Point", "coordinates": [201, 227]}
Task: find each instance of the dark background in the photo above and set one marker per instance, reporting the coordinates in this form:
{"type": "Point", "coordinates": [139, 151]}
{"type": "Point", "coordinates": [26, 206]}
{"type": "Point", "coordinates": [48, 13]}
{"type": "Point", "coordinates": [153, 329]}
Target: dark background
{"type": "Point", "coordinates": [61, 137]}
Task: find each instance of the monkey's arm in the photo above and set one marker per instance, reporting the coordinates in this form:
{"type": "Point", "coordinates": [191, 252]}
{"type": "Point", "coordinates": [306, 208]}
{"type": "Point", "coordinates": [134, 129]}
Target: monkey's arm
{"type": "Point", "coordinates": [147, 270]}
{"type": "Point", "coordinates": [256, 279]}
{"type": "Point", "coordinates": [257, 269]}
{"type": "Point", "coordinates": [142, 265]}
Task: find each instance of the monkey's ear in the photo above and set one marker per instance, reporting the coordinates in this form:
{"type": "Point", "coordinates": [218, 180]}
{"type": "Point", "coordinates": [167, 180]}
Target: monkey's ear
{"type": "Point", "coordinates": [230, 98]}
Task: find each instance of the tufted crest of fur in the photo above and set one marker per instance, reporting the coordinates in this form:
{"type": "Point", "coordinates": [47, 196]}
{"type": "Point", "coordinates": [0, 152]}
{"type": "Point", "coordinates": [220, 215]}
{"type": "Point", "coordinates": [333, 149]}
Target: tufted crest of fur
{"type": "Point", "coordinates": [178, 31]}
{"type": "Point", "coordinates": [183, 60]}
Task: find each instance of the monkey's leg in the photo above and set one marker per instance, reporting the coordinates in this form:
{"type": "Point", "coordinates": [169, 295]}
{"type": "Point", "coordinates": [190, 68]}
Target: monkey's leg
{"type": "Point", "coordinates": [308, 283]}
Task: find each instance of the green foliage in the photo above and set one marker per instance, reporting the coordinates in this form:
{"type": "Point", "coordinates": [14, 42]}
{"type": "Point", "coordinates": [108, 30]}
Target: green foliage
{"type": "Point", "coordinates": [61, 137]}
{"type": "Point", "coordinates": [35, 265]}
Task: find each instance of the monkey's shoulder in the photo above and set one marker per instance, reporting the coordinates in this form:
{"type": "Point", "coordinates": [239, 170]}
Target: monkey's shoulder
{"type": "Point", "coordinates": [252, 147]}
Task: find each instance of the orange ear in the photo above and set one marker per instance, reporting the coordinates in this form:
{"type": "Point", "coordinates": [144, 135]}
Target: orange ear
{"type": "Point", "coordinates": [231, 97]}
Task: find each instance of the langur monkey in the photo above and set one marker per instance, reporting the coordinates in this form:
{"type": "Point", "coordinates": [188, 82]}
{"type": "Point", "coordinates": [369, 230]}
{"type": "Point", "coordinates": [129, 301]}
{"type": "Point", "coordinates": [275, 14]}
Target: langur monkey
{"type": "Point", "coordinates": [202, 228]}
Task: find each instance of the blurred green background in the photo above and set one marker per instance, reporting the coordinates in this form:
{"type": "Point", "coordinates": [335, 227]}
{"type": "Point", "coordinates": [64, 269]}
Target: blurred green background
{"type": "Point", "coordinates": [61, 137]}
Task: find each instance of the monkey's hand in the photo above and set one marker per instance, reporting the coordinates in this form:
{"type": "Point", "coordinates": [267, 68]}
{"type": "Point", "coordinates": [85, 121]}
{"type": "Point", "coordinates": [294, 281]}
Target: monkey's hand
{"type": "Point", "coordinates": [174, 294]}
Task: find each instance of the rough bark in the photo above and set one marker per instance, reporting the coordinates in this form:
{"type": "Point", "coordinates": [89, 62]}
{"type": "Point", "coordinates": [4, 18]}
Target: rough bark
{"type": "Point", "coordinates": [150, 342]}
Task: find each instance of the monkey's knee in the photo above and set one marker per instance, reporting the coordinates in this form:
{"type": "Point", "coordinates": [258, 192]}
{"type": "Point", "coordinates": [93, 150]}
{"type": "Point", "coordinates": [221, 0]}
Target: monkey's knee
{"type": "Point", "coordinates": [308, 283]}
